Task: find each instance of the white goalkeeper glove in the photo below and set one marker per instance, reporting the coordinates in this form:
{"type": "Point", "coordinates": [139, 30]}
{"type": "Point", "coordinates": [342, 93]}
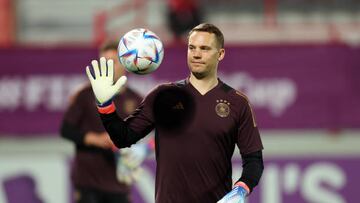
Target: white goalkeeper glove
{"type": "Point", "coordinates": [129, 161]}
{"type": "Point", "coordinates": [126, 175]}
{"type": "Point", "coordinates": [134, 156]}
{"type": "Point", "coordinates": [237, 194]}
{"type": "Point", "coordinates": [103, 81]}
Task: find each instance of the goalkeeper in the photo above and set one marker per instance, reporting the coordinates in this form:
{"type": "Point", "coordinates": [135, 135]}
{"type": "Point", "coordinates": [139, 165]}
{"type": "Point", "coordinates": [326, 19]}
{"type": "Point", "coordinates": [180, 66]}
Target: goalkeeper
{"type": "Point", "coordinates": [198, 122]}
{"type": "Point", "coordinates": [99, 173]}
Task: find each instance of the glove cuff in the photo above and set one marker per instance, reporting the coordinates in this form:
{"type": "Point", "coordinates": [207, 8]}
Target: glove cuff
{"type": "Point", "coordinates": [151, 144]}
{"type": "Point", "coordinates": [243, 185]}
{"type": "Point", "coordinates": [108, 109]}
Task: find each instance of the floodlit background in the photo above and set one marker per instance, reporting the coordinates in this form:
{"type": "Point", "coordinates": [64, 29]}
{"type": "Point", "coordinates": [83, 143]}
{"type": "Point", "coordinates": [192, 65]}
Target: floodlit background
{"type": "Point", "coordinates": [297, 60]}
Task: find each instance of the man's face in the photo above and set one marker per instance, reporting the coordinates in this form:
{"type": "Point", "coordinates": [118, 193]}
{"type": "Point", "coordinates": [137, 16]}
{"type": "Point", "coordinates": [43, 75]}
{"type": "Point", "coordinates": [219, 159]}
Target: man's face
{"type": "Point", "coordinates": [118, 68]}
{"type": "Point", "coordinates": [203, 54]}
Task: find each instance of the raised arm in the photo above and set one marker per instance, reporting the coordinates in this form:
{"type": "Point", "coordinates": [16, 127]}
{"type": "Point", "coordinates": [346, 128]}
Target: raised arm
{"type": "Point", "coordinates": [104, 89]}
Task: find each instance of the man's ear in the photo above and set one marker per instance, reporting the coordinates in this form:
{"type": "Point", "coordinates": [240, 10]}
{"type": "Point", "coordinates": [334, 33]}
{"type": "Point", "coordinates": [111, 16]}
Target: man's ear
{"type": "Point", "coordinates": [221, 54]}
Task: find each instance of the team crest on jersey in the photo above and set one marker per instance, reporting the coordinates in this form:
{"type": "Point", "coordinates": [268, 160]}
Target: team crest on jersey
{"type": "Point", "coordinates": [222, 108]}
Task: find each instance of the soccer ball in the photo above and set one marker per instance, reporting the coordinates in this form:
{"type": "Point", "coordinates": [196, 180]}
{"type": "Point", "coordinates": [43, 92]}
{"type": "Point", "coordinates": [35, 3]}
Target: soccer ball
{"type": "Point", "coordinates": [140, 51]}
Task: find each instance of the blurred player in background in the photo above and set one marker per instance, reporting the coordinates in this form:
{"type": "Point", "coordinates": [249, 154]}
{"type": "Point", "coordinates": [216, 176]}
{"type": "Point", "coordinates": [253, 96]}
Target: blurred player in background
{"type": "Point", "coordinates": [96, 175]}
{"type": "Point", "coordinates": [182, 16]}
{"type": "Point", "coordinates": [198, 122]}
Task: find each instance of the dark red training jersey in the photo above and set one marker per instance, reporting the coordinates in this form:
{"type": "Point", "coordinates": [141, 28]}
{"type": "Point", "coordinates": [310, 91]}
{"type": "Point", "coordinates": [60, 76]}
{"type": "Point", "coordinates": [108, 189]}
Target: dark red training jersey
{"type": "Point", "coordinates": [93, 167]}
{"type": "Point", "coordinates": [195, 139]}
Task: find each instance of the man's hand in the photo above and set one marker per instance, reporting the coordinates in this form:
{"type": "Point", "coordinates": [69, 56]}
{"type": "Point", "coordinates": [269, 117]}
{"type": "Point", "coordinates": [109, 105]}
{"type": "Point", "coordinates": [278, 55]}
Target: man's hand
{"type": "Point", "coordinates": [134, 156]}
{"type": "Point", "coordinates": [101, 140]}
{"type": "Point", "coordinates": [103, 81]}
{"type": "Point", "coordinates": [127, 175]}
{"type": "Point", "coordinates": [129, 162]}
{"type": "Point", "coordinates": [236, 195]}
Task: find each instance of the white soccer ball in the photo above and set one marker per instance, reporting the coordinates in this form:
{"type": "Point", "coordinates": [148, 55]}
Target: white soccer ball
{"type": "Point", "coordinates": [140, 51]}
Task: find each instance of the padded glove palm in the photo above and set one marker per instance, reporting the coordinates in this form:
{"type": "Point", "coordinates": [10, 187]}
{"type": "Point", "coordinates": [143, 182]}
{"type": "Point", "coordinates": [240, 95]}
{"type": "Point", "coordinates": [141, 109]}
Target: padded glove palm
{"type": "Point", "coordinates": [236, 195]}
{"type": "Point", "coordinates": [103, 81]}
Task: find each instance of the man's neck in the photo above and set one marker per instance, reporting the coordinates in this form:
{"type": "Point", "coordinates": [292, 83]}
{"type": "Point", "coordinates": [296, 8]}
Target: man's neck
{"type": "Point", "coordinates": [203, 85]}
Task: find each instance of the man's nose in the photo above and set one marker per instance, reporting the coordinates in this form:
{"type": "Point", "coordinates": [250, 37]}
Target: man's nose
{"type": "Point", "coordinates": [197, 54]}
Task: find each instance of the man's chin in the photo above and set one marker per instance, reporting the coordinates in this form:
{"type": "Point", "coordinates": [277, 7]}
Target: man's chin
{"type": "Point", "coordinates": [199, 75]}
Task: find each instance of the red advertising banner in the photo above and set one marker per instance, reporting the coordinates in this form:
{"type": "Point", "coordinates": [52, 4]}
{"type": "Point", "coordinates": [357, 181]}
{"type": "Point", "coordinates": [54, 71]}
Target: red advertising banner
{"type": "Point", "coordinates": [290, 87]}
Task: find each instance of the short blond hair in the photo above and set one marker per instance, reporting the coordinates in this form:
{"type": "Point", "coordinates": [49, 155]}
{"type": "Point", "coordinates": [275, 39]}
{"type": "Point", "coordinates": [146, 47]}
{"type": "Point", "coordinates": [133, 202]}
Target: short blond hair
{"type": "Point", "coordinates": [210, 28]}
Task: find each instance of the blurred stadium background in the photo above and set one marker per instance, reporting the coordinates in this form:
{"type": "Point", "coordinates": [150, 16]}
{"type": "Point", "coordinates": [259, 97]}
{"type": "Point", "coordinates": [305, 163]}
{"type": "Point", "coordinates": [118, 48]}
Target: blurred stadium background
{"type": "Point", "coordinates": [297, 60]}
